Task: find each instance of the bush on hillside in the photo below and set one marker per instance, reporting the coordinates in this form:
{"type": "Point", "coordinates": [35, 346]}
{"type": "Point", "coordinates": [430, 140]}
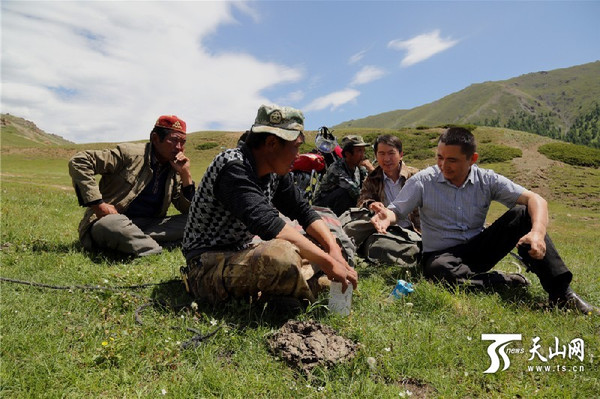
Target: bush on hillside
{"type": "Point", "coordinates": [416, 145]}
{"type": "Point", "coordinates": [573, 154]}
{"type": "Point", "coordinates": [491, 153]}
{"type": "Point", "coordinates": [207, 146]}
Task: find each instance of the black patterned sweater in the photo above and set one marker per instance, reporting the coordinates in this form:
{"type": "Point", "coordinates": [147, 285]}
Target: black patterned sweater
{"type": "Point", "coordinates": [232, 205]}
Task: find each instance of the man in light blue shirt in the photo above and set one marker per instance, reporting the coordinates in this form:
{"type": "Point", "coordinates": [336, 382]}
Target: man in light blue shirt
{"type": "Point", "coordinates": [454, 198]}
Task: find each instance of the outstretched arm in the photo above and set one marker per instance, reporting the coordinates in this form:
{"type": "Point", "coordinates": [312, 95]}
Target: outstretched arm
{"type": "Point", "coordinates": [383, 218]}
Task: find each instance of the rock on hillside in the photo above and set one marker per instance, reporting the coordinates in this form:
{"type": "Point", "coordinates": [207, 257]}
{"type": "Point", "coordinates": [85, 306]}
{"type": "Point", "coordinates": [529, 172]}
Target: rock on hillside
{"type": "Point", "coordinates": [20, 132]}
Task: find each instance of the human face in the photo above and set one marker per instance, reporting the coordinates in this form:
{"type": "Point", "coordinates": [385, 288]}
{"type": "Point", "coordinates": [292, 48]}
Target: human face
{"type": "Point", "coordinates": [356, 157]}
{"type": "Point", "coordinates": [453, 163]}
{"type": "Point", "coordinates": [388, 157]}
{"type": "Point", "coordinates": [166, 150]}
{"type": "Point", "coordinates": [286, 155]}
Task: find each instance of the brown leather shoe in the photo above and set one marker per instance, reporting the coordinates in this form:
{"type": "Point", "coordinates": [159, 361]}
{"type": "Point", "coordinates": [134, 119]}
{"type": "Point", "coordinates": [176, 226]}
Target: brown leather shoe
{"type": "Point", "coordinates": [574, 302]}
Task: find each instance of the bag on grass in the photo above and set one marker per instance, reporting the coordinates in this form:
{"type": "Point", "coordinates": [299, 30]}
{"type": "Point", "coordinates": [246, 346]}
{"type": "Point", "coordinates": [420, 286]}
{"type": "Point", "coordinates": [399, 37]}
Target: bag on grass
{"type": "Point", "coordinates": [397, 246]}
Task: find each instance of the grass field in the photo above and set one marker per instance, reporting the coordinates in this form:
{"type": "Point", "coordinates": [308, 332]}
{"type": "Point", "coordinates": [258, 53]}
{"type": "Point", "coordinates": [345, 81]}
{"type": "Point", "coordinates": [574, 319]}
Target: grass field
{"type": "Point", "coordinates": [86, 343]}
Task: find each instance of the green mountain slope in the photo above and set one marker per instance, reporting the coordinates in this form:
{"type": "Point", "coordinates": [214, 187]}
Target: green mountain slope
{"type": "Point", "coordinates": [547, 103]}
{"type": "Point", "coordinates": [19, 132]}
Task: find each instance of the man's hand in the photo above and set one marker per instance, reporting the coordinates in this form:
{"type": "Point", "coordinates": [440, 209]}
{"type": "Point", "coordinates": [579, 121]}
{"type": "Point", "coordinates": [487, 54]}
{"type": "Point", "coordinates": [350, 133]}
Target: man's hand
{"type": "Point", "coordinates": [367, 164]}
{"type": "Point", "coordinates": [181, 164]}
{"type": "Point", "coordinates": [537, 243]}
{"type": "Point", "coordinates": [342, 272]}
{"type": "Point", "coordinates": [102, 209]}
{"type": "Point", "coordinates": [383, 217]}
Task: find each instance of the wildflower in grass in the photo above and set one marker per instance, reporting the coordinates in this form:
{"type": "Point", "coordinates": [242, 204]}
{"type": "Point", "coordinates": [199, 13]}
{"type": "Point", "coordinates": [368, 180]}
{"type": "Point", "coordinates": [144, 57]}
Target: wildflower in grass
{"type": "Point", "coordinates": [104, 343]}
{"type": "Point", "coordinates": [371, 362]}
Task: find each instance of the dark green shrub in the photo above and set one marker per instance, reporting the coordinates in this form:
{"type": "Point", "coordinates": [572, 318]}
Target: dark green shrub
{"type": "Point", "coordinates": [573, 154]}
{"type": "Point", "coordinates": [490, 153]}
{"type": "Point", "coordinates": [207, 146]}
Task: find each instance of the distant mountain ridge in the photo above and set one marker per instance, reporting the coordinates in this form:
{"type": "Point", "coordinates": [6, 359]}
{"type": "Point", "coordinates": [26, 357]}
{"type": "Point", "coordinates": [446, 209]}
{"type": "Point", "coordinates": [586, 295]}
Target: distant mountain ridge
{"type": "Point", "coordinates": [19, 132]}
{"type": "Point", "coordinates": [562, 103]}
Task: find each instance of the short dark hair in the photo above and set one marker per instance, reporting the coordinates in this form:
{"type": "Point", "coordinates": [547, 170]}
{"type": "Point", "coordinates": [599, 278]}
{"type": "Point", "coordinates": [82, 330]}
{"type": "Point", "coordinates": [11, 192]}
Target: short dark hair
{"type": "Point", "coordinates": [256, 140]}
{"type": "Point", "coordinates": [461, 137]}
{"type": "Point", "coordinates": [161, 132]}
{"type": "Point", "coordinates": [388, 139]}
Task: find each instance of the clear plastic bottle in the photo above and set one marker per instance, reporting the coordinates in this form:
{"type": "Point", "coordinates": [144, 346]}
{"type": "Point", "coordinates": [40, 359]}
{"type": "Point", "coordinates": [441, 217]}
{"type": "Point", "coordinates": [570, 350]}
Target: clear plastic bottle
{"type": "Point", "coordinates": [339, 302]}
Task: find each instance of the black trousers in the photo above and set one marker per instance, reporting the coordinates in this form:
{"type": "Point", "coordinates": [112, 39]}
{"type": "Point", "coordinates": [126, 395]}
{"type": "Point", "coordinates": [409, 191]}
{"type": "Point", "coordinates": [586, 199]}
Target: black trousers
{"type": "Point", "coordinates": [473, 259]}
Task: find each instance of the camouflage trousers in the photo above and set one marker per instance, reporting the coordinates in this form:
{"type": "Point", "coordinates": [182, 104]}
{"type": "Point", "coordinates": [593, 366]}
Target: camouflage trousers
{"type": "Point", "coordinates": [268, 269]}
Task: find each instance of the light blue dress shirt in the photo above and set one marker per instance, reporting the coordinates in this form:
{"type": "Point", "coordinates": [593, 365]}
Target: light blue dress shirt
{"type": "Point", "coordinates": [452, 215]}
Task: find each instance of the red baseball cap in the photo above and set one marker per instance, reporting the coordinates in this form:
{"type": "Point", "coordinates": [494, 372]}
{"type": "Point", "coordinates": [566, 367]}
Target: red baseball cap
{"type": "Point", "coordinates": [171, 122]}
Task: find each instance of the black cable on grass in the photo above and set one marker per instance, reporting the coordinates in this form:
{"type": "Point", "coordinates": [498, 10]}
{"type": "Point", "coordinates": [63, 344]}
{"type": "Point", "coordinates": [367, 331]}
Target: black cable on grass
{"type": "Point", "coordinates": [192, 342]}
{"type": "Point", "coordinates": [87, 287]}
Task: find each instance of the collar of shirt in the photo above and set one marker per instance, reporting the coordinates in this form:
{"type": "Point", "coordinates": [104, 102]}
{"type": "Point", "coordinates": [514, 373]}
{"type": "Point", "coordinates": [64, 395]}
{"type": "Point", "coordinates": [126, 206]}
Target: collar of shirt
{"type": "Point", "coordinates": [471, 177]}
{"type": "Point", "coordinates": [403, 173]}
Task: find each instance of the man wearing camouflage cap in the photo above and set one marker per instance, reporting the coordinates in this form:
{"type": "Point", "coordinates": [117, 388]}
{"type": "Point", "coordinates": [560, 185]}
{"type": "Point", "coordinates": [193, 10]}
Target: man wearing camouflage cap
{"type": "Point", "coordinates": [340, 187]}
{"type": "Point", "coordinates": [127, 209]}
{"type": "Point", "coordinates": [241, 196]}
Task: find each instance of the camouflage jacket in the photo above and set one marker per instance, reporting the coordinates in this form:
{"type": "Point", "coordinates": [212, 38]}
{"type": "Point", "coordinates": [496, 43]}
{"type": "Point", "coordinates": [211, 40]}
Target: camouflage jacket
{"type": "Point", "coordinates": [339, 175]}
{"type": "Point", "coordinates": [373, 190]}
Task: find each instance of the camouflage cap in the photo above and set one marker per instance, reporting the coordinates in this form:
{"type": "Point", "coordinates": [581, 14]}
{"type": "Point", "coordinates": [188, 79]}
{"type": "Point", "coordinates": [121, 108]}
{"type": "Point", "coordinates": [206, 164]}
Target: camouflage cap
{"type": "Point", "coordinates": [355, 141]}
{"type": "Point", "coordinates": [284, 122]}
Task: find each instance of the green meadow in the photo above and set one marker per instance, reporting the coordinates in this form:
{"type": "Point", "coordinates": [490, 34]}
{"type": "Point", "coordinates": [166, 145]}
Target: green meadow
{"type": "Point", "coordinates": [77, 342]}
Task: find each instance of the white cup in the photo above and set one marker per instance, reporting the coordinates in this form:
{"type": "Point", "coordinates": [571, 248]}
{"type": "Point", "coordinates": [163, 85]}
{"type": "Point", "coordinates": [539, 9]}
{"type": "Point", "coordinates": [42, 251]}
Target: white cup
{"type": "Point", "coordinates": [340, 302]}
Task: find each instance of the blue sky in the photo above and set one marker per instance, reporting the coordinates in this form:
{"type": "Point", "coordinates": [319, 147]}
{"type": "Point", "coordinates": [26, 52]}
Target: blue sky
{"type": "Point", "coordinates": [104, 71]}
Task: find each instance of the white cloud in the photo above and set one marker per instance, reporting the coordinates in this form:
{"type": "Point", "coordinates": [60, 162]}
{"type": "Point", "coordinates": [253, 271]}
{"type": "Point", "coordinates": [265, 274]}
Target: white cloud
{"type": "Point", "coordinates": [104, 71]}
{"type": "Point", "coordinates": [291, 98]}
{"type": "Point", "coordinates": [332, 100]}
{"type": "Point", "coordinates": [367, 74]}
{"type": "Point", "coordinates": [357, 57]}
{"type": "Point", "coordinates": [421, 47]}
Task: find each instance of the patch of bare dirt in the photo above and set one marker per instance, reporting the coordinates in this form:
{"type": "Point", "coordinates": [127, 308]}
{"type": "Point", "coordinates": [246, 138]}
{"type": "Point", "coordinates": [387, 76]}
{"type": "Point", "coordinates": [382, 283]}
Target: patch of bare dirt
{"type": "Point", "coordinates": [532, 168]}
{"type": "Point", "coordinates": [307, 344]}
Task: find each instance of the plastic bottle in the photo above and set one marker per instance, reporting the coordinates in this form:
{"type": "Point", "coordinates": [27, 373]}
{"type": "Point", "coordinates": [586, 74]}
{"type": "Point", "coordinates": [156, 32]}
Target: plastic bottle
{"type": "Point", "coordinates": [339, 302]}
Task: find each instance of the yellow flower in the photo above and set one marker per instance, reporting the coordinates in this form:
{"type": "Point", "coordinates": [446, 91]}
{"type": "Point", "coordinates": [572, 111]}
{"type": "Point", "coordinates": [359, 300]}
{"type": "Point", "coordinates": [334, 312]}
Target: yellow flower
{"type": "Point", "coordinates": [104, 343]}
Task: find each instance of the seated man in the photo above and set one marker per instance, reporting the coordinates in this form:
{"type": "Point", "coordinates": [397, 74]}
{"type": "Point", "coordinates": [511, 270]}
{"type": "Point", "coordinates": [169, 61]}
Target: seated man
{"type": "Point", "coordinates": [401, 245]}
{"type": "Point", "coordinates": [127, 210]}
{"type": "Point", "coordinates": [240, 196]}
{"type": "Point", "coordinates": [343, 180]}
{"type": "Point", "coordinates": [453, 199]}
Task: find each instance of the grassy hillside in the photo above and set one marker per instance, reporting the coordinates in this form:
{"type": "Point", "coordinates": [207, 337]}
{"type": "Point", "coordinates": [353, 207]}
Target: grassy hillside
{"type": "Point", "coordinates": [546, 103]}
{"type": "Point", "coordinates": [82, 343]}
{"type": "Point", "coordinates": [18, 132]}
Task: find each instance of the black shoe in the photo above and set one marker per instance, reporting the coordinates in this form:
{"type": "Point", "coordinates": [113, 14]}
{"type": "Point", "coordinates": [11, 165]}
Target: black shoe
{"type": "Point", "coordinates": [574, 302]}
{"type": "Point", "coordinates": [517, 280]}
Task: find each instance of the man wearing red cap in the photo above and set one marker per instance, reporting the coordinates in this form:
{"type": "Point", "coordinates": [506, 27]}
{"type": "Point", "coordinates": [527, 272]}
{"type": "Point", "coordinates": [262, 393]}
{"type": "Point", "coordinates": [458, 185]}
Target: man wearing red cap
{"type": "Point", "coordinates": [127, 209]}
